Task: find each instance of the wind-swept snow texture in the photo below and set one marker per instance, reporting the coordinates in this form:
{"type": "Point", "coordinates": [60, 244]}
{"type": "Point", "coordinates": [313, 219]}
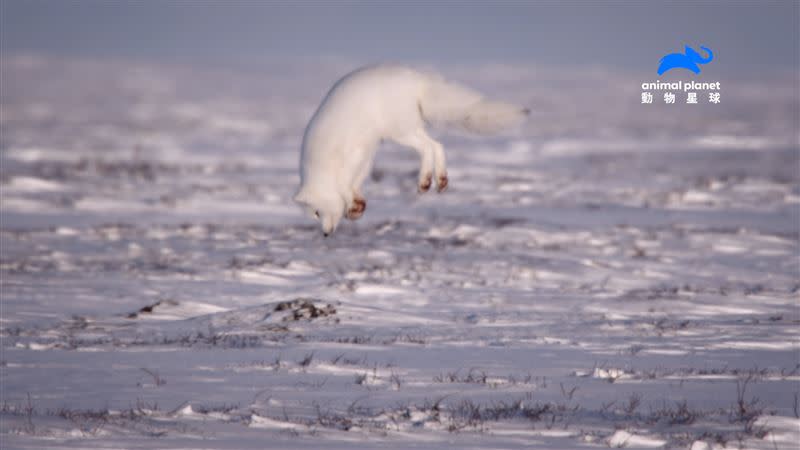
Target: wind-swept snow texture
{"type": "Point", "coordinates": [610, 275]}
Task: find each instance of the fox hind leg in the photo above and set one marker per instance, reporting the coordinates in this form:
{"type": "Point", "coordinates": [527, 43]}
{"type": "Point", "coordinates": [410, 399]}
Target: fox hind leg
{"type": "Point", "coordinates": [441, 165]}
{"type": "Point", "coordinates": [439, 159]}
{"type": "Point", "coordinates": [432, 159]}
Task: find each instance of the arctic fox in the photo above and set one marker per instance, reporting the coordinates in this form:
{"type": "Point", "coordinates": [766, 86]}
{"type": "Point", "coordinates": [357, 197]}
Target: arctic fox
{"type": "Point", "coordinates": [384, 102]}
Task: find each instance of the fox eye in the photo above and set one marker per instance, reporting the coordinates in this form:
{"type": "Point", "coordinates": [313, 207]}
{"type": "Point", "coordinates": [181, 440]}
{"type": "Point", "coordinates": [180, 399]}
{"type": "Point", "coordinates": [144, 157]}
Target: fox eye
{"type": "Point", "coordinates": [316, 214]}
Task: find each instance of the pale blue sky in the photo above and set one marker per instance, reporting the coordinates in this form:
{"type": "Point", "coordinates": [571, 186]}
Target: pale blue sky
{"type": "Point", "coordinates": [745, 36]}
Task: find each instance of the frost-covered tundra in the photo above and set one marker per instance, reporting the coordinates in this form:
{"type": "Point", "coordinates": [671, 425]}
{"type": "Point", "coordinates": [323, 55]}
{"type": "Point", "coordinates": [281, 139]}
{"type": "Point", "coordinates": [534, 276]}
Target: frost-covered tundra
{"type": "Point", "coordinates": [384, 102]}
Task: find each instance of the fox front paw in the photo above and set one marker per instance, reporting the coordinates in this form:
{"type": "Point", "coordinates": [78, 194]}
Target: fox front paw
{"type": "Point", "coordinates": [357, 209]}
{"type": "Point", "coordinates": [441, 183]}
{"type": "Point", "coordinates": [425, 183]}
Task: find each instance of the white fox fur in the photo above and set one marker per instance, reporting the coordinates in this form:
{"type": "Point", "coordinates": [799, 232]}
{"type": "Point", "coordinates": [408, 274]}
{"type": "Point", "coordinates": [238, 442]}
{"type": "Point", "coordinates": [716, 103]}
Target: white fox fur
{"type": "Point", "coordinates": [384, 102]}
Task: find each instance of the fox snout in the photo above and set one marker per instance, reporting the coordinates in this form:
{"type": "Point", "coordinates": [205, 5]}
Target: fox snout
{"type": "Point", "coordinates": [328, 224]}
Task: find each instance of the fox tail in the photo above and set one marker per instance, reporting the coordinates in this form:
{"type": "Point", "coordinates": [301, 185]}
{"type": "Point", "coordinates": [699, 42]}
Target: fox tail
{"type": "Point", "coordinates": [452, 104]}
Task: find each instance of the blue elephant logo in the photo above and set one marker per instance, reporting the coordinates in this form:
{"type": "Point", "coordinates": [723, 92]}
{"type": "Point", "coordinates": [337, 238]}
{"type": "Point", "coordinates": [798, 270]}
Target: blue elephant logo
{"type": "Point", "coordinates": [688, 60]}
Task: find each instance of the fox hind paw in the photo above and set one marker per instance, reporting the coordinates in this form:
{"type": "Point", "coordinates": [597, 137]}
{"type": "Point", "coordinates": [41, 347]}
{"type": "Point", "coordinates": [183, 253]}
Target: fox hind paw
{"type": "Point", "coordinates": [425, 184]}
{"type": "Point", "coordinates": [441, 183]}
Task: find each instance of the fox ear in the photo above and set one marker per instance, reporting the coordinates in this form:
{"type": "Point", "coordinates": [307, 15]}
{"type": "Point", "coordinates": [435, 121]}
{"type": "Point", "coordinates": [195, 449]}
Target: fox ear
{"type": "Point", "coordinates": [301, 197]}
{"type": "Point", "coordinates": [690, 51]}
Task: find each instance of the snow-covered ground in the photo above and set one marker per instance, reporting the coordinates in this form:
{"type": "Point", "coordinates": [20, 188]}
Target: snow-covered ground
{"type": "Point", "coordinates": [613, 274]}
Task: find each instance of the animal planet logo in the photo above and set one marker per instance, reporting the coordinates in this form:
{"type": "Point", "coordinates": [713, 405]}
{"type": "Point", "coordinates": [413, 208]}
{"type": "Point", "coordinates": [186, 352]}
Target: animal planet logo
{"type": "Point", "coordinates": [687, 60]}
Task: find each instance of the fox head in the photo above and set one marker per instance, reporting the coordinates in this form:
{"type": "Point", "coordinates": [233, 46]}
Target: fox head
{"type": "Point", "coordinates": [325, 206]}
